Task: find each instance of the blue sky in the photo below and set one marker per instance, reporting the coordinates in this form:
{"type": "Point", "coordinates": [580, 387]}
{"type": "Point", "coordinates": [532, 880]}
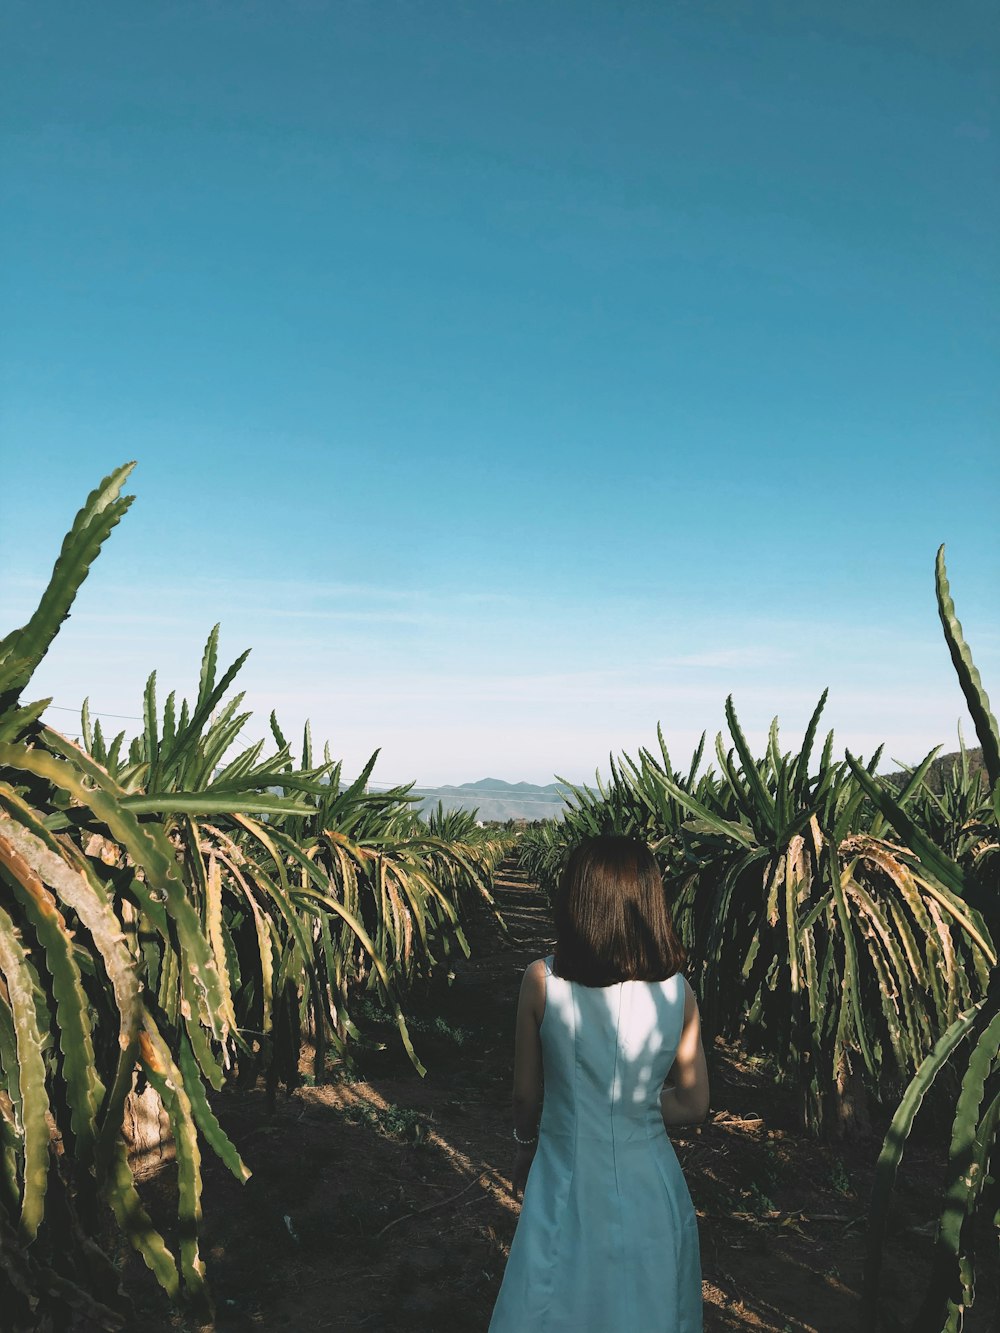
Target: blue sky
{"type": "Point", "coordinates": [509, 377]}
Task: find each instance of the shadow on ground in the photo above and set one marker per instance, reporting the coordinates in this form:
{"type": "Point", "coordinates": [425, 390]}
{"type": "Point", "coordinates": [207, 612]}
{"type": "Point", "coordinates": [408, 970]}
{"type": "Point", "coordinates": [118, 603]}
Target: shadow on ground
{"type": "Point", "coordinates": [382, 1202]}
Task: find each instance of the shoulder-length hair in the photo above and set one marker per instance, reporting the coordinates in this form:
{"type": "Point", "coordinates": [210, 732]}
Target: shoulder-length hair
{"type": "Point", "coordinates": [611, 916]}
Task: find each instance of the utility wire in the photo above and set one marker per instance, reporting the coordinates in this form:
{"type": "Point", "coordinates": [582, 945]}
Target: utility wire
{"type": "Point", "coordinates": [96, 712]}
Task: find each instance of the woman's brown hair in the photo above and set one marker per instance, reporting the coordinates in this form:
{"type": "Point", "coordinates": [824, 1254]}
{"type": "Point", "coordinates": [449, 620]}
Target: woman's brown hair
{"type": "Point", "coordinates": [611, 916]}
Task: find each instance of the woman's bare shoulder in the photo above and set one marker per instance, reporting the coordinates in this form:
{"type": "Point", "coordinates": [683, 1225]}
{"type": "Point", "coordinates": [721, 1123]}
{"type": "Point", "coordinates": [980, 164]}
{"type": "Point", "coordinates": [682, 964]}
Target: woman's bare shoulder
{"type": "Point", "coordinates": [535, 973]}
{"type": "Point", "coordinates": [690, 999]}
{"type": "Point", "coordinates": [533, 987]}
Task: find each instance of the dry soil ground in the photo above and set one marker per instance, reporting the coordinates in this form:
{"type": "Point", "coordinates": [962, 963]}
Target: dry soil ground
{"type": "Point", "coordinates": [381, 1202]}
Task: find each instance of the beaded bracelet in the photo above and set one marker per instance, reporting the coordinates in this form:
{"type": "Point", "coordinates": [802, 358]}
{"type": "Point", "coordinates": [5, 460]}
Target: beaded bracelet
{"type": "Point", "coordinates": [524, 1143]}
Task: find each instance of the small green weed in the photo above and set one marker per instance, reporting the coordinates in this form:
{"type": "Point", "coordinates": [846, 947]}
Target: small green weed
{"type": "Point", "coordinates": [759, 1202]}
{"type": "Point", "coordinates": [458, 1035]}
{"type": "Point", "coordinates": [373, 1012]}
{"type": "Point", "coordinates": [392, 1122]}
{"type": "Point", "coordinates": [840, 1180]}
{"type": "Point", "coordinates": [773, 1166]}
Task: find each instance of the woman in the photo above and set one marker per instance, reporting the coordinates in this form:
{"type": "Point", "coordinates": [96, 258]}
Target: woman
{"type": "Point", "coordinates": [607, 1240]}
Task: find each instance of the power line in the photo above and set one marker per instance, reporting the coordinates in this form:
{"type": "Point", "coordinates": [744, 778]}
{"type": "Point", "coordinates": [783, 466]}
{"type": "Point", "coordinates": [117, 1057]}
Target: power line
{"type": "Point", "coordinates": [470, 793]}
{"type": "Point", "coordinates": [96, 712]}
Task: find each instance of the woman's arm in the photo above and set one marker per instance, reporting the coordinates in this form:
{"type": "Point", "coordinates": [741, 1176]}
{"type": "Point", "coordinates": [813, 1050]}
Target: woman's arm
{"type": "Point", "coordinates": [686, 1102]}
{"type": "Point", "coordinates": [527, 1101]}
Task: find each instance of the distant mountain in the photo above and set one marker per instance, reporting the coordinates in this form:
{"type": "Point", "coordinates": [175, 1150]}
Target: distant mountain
{"type": "Point", "coordinates": [941, 767]}
{"type": "Point", "coordinates": [497, 800]}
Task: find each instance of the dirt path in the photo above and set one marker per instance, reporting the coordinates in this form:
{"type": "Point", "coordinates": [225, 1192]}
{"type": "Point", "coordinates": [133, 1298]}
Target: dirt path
{"type": "Point", "coordinates": [383, 1203]}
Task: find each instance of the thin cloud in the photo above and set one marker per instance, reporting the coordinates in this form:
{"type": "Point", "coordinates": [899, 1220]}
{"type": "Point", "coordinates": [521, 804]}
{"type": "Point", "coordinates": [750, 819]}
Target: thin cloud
{"type": "Point", "coordinates": [340, 614]}
{"type": "Point", "coordinates": [728, 658]}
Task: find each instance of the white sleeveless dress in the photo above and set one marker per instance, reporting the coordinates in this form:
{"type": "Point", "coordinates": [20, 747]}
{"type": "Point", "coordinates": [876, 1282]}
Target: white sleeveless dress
{"type": "Point", "coordinates": [607, 1240]}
